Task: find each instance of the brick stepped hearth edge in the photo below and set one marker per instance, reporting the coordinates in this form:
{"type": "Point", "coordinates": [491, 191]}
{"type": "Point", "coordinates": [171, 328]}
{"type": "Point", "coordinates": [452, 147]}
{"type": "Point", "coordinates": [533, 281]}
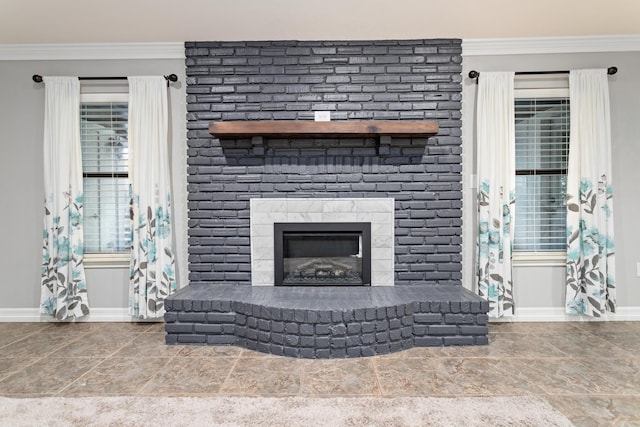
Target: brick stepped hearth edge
{"type": "Point", "coordinates": [326, 322]}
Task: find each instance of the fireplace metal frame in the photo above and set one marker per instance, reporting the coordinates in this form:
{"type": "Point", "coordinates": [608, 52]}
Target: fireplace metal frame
{"type": "Point", "coordinates": [280, 228]}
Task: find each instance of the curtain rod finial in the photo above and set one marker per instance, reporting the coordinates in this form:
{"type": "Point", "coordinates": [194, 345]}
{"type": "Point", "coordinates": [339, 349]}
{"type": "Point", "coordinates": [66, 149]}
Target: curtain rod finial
{"type": "Point", "coordinates": [171, 78]}
{"type": "Point", "coordinates": [612, 70]}
{"type": "Point", "coordinates": [473, 74]}
{"type": "Point", "coordinates": [37, 78]}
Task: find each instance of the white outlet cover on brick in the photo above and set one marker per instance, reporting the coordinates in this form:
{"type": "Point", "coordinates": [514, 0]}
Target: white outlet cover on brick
{"type": "Point", "coordinates": [322, 116]}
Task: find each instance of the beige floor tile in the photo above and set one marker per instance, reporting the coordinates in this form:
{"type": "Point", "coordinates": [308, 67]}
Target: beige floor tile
{"type": "Point", "coordinates": [253, 354]}
{"type": "Point", "coordinates": [566, 376]}
{"type": "Point", "coordinates": [152, 326]}
{"type": "Point", "coordinates": [8, 339]}
{"type": "Point", "coordinates": [96, 344]}
{"type": "Point", "coordinates": [190, 376]}
{"type": "Point", "coordinates": [589, 411]}
{"type": "Point", "coordinates": [12, 332]}
{"type": "Point", "coordinates": [479, 377]}
{"type": "Point", "coordinates": [450, 376]}
{"type": "Point", "coordinates": [583, 345]}
{"type": "Point", "coordinates": [629, 340]}
{"type": "Point", "coordinates": [345, 377]}
{"type": "Point", "coordinates": [415, 352]}
{"type": "Point", "coordinates": [519, 345]}
{"type": "Point", "coordinates": [13, 365]}
{"type": "Point", "coordinates": [227, 351]}
{"type": "Point", "coordinates": [22, 328]}
{"type": "Point", "coordinates": [406, 377]}
{"type": "Point", "coordinates": [150, 344]}
{"type": "Point", "coordinates": [37, 345]}
{"type": "Point", "coordinates": [620, 375]}
{"type": "Point", "coordinates": [46, 376]}
{"type": "Point", "coordinates": [589, 371]}
{"type": "Point", "coordinates": [117, 376]}
{"type": "Point", "coordinates": [270, 376]}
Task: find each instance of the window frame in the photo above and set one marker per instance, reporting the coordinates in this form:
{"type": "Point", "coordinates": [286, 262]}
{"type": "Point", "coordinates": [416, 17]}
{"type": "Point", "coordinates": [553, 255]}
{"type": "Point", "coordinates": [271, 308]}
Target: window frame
{"type": "Point", "coordinates": [540, 258]}
{"type": "Point", "coordinates": [106, 259]}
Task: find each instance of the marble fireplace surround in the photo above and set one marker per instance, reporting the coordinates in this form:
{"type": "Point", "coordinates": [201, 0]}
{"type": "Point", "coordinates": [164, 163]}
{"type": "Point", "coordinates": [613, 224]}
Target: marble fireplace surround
{"type": "Point", "coordinates": [378, 211]}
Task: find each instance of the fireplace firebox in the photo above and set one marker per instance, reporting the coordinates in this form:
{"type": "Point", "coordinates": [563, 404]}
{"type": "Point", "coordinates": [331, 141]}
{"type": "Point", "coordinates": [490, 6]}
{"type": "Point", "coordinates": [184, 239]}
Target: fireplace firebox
{"type": "Point", "coordinates": [322, 254]}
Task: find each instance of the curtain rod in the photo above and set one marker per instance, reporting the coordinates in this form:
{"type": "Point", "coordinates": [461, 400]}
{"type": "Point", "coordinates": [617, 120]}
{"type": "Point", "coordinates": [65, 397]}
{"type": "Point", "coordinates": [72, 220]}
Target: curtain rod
{"type": "Point", "coordinates": [170, 78]}
{"type": "Point", "coordinates": [473, 74]}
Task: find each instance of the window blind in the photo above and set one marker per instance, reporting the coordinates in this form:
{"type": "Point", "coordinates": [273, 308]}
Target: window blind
{"type": "Point", "coordinates": [542, 146]}
{"type": "Point", "coordinates": [103, 134]}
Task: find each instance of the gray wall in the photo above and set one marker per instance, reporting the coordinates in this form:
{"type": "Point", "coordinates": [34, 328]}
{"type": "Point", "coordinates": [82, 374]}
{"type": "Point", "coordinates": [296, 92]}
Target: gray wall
{"type": "Point", "coordinates": [384, 80]}
{"type": "Point", "coordinates": [541, 286]}
{"type": "Point", "coordinates": [21, 177]}
{"type": "Point", "coordinates": [21, 110]}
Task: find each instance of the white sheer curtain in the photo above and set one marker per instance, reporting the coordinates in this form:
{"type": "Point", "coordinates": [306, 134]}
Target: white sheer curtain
{"type": "Point", "coordinates": [590, 243]}
{"type": "Point", "coordinates": [152, 255]}
{"type": "Point", "coordinates": [496, 190]}
{"type": "Point", "coordinates": [63, 285]}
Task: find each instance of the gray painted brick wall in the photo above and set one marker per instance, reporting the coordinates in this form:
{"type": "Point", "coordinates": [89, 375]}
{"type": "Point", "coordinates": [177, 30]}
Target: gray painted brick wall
{"type": "Point", "coordinates": [357, 80]}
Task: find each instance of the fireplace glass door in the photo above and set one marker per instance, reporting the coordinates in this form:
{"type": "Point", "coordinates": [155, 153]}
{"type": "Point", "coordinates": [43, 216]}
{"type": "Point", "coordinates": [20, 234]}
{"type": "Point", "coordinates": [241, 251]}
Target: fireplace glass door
{"type": "Point", "coordinates": [322, 254]}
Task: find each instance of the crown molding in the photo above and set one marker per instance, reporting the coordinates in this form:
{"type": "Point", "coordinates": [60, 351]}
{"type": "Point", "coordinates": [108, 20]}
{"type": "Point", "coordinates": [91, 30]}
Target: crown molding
{"type": "Point", "coordinates": [175, 50]}
{"type": "Point", "coordinates": [547, 45]}
{"type": "Point", "coordinates": [91, 51]}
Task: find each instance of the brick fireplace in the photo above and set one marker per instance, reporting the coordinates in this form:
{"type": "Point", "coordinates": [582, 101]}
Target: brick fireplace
{"type": "Point", "coordinates": [234, 180]}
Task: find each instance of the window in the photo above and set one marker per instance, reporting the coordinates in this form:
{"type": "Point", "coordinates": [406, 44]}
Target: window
{"type": "Point", "coordinates": [542, 148]}
{"type": "Point", "coordinates": [103, 135]}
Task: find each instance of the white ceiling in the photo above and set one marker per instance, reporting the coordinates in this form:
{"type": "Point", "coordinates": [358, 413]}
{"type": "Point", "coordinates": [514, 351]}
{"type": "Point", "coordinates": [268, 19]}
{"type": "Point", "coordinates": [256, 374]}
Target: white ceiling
{"type": "Point", "coordinates": [128, 21]}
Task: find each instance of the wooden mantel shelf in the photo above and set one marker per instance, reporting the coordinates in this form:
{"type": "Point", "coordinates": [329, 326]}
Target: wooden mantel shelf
{"type": "Point", "coordinates": [312, 129]}
{"type": "Point", "coordinates": [383, 130]}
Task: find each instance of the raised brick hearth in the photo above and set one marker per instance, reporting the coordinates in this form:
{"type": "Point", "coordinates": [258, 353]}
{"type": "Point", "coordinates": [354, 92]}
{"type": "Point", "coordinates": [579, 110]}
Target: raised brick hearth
{"type": "Point", "coordinates": [326, 322]}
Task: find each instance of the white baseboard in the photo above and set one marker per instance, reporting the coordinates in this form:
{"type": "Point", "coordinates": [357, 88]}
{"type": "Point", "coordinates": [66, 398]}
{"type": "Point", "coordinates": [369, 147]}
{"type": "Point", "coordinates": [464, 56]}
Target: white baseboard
{"type": "Point", "coordinates": [529, 314]}
{"type": "Point", "coordinates": [557, 314]}
{"type": "Point", "coordinates": [116, 314]}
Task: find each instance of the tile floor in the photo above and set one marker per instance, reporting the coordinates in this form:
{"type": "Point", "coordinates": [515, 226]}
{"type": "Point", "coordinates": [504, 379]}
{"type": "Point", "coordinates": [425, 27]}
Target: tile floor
{"type": "Point", "coordinates": [589, 371]}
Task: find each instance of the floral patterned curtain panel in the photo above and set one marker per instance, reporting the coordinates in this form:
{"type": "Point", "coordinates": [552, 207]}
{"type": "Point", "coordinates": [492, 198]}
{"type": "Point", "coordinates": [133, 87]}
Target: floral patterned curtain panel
{"type": "Point", "coordinates": [63, 285]}
{"type": "Point", "coordinates": [496, 190]}
{"type": "Point", "coordinates": [590, 243]}
{"type": "Point", "coordinates": [152, 255]}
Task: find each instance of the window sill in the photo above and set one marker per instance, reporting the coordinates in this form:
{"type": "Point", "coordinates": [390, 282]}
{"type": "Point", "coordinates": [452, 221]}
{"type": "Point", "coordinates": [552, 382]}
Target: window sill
{"type": "Point", "coordinates": [539, 259]}
{"type": "Point", "coordinates": [112, 260]}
